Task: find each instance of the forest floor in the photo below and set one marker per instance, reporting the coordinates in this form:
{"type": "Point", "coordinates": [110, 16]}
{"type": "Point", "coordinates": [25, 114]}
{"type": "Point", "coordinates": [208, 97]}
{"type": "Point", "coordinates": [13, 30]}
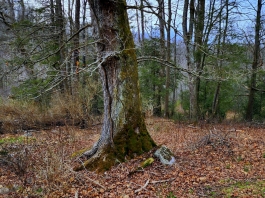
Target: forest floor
{"type": "Point", "coordinates": [212, 160]}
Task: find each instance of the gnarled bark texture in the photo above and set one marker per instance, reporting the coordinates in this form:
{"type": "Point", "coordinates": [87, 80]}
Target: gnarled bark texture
{"type": "Point", "coordinates": [124, 134]}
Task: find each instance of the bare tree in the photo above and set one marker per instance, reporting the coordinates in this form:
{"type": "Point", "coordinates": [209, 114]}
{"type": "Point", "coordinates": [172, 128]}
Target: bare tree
{"type": "Point", "coordinates": [142, 20]}
{"type": "Point", "coordinates": [138, 24]}
{"type": "Point", "coordinates": [255, 64]}
{"type": "Point", "coordinates": [194, 55]}
{"type": "Point", "coordinates": [76, 40]}
{"type": "Point", "coordinates": [61, 54]}
{"type": "Point", "coordinates": [221, 41]}
{"type": "Point", "coordinates": [168, 57]}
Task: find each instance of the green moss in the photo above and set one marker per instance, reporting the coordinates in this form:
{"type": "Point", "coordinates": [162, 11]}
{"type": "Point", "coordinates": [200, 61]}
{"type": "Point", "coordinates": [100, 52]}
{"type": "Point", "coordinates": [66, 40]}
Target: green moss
{"type": "Point", "coordinates": [134, 145]}
{"type": "Point", "coordinates": [103, 162]}
{"type": "Point", "coordinates": [128, 143]}
{"type": "Point", "coordinates": [120, 146]}
{"type": "Point", "coordinates": [147, 162]}
{"type": "Point", "coordinates": [79, 152]}
{"type": "Point", "coordinates": [147, 142]}
{"type": "Point", "coordinates": [78, 168]}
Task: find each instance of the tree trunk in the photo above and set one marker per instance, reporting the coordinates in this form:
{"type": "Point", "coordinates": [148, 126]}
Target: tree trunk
{"type": "Point", "coordinates": [175, 81]}
{"type": "Point", "coordinates": [161, 14]}
{"type": "Point", "coordinates": [22, 14]}
{"type": "Point", "coordinates": [198, 52]}
{"type": "Point", "coordinates": [142, 20]}
{"type": "Point", "coordinates": [194, 52]}
{"type": "Point", "coordinates": [138, 25]}
{"type": "Point", "coordinates": [124, 134]}
{"type": "Point", "coordinates": [166, 113]}
{"type": "Point", "coordinates": [256, 54]}
{"type": "Point", "coordinates": [188, 35]}
{"type": "Point", "coordinates": [76, 43]}
{"type": "Point", "coordinates": [216, 99]}
{"type": "Point", "coordinates": [222, 36]}
{"type": "Point", "coordinates": [52, 12]}
{"type": "Point", "coordinates": [59, 27]}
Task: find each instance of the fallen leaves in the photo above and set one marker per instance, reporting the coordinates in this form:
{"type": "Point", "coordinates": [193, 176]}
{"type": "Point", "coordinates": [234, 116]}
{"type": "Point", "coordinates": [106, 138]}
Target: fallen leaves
{"type": "Point", "coordinates": [211, 161]}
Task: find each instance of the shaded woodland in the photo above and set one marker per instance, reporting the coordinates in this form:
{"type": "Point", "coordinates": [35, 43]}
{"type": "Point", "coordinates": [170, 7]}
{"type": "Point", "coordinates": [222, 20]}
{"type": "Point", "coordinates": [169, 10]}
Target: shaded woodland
{"type": "Point", "coordinates": [199, 60]}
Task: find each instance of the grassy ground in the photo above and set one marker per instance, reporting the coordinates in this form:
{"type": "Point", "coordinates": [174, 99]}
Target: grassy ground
{"type": "Point", "coordinates": [212, 160]}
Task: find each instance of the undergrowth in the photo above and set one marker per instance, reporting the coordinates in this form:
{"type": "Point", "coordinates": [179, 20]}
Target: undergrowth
{"type": "Point", "coordinates": [43, 163]}
{"type": "Point", "coordinates": [18, 115]}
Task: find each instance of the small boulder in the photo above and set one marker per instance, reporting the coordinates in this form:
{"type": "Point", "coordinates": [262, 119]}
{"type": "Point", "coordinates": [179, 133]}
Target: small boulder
{"type": "Point", "coordinates": [165, 155]}
{"type": "Point", "coordinates": [4, 190]}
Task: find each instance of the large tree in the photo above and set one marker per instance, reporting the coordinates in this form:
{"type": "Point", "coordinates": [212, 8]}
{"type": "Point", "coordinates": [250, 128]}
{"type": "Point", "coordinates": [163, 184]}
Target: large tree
{"type": "Point", "coordinates": [124, 134]}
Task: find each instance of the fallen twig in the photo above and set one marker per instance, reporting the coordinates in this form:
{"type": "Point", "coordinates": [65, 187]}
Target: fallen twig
{"type": "Point", "coordinates": [144, 186]}
{"type": "Point", "coordinates": [153, 182]}
{"type": "Point", "coordinates": [91, 180]}
{"type": "Point", "coordinates": [161, 181]}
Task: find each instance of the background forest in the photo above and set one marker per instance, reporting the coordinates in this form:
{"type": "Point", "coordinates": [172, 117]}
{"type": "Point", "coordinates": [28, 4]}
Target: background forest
{"type": "Point", "coordinates": [197, 60]}
{"type": "Point", "coordinates": [63, 64]}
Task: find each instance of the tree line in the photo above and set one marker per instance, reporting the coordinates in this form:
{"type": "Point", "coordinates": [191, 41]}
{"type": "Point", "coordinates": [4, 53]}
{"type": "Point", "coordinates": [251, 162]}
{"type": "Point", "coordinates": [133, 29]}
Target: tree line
{"type": "Point", "coordinates": [197, 59]}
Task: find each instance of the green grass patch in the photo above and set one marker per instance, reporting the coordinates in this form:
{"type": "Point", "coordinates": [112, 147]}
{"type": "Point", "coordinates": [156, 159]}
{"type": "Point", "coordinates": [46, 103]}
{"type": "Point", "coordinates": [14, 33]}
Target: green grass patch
{"type": "Point", "coordinates": [11, 140]}
{"type": "Point", "coordinates": [213, 194]}
{"type": "Point", "coordinates": [239, 159]}
{"type": "Point", "coordinates": [171, 195]}
{"type": "Point", "coordinates": [246, 168]}
{"type": "Point", "coordinates": [242, 188]}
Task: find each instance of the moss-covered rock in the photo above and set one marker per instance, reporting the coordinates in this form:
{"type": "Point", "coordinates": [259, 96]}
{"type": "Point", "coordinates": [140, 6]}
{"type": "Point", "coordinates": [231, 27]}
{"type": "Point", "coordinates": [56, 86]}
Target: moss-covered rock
{"type": "Point", "coordinates": [165, 155]}
{"type": "Point", "coordinates": [147, 162]}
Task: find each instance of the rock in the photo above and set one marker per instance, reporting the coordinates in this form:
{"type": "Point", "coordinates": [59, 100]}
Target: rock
{"type": "Point", "coordinates": [165, 155]}
{"type": "Point", "coordinates": [27, 134]}
{"type": "Point", "coordinates": [4, 190]}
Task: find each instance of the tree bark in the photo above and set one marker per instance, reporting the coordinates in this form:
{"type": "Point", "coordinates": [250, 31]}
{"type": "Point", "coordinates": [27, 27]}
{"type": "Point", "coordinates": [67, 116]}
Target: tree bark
{"type": "Point", "coordinates": [166, 113]}
{"type": "Point", "coordinates": [188, 35]}
{"type": "Point", "coordinates": [60, 28]}
{"type": "Point", "coordinates": [194, 52]}
{"type": "Point", "coordinates": [52, 12]}
{"type": "Point", "coordinates": [256, 59]}
{"type": "Point", "coordinates": [124, 134]}
{"type": "Point", "coordinates": [76, 43]}
{"type": "Point", "coordinates": [138, 24]}
{"type": "Point", "coordinates": [221, 43]}
{"type": "Point", "coordinates": [161, 14]}
{"type": "Point", "coordinates": [198, 53]}
{"type": "Point", "coordinates": [142, 20]}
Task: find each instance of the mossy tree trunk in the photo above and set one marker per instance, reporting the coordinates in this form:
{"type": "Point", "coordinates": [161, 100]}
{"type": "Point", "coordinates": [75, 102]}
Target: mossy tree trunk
{"type": "Point", "coordinates": [124, 134]}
